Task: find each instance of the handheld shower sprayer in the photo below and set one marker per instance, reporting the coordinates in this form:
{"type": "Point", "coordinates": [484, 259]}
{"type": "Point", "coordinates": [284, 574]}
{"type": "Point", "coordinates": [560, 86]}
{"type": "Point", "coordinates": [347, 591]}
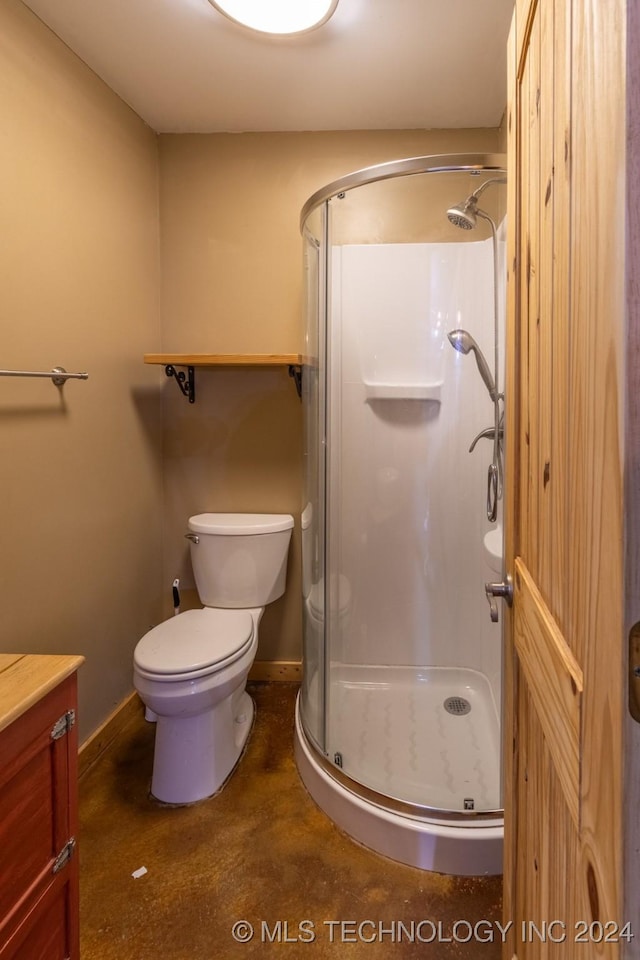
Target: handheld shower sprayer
{"type": "Point", "coordinates": [465, 215]}
{"type": "Point", "coordinates": [463, 342]}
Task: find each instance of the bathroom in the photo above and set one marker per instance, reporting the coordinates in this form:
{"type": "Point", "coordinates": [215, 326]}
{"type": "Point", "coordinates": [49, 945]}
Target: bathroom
{"type": "Point", "coordinates": [124, 242]}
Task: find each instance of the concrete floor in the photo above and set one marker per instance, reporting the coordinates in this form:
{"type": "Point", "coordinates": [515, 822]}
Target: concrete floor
{"type": "Point", "coordinates": [261, 852]}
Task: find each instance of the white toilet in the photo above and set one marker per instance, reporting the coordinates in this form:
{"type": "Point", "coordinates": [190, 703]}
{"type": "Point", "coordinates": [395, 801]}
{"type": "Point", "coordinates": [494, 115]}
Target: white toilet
{"type": "Point", "coordinates": [191, 671]}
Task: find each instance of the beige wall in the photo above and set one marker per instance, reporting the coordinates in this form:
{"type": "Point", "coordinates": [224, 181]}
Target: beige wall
{"type": "Point", "coordinates": [230, 209]}
{"type": "Point", "coordinates": [232, 282]}
{"type": "Point", "coordinates": [81, 475]}
{"type": "Point", "coordinates": [84, 482]}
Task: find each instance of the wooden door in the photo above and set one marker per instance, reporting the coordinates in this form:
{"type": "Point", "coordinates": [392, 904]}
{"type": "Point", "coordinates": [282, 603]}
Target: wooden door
{"type": "Point", "coordinates": [564, 674]}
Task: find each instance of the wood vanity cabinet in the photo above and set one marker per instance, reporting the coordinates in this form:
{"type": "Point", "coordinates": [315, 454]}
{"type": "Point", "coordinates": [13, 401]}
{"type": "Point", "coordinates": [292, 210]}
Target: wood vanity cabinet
{"type": "Point", "coordinates": [38, 828]}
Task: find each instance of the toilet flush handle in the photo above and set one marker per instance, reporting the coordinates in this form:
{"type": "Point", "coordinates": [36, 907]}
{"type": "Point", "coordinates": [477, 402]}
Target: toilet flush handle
{"type": "Point", "coordinates": [193, 537]}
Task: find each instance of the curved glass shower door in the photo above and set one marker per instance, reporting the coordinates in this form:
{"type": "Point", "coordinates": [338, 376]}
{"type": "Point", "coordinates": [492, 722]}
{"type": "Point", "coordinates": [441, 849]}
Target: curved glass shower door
{"type": "Point", "coordinates": [402, 665]}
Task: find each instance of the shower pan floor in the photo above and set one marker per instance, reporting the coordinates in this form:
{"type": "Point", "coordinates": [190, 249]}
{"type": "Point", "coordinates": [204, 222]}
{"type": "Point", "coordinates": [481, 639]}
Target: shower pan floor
{"type": "Point", "coordinates": [394, 734]}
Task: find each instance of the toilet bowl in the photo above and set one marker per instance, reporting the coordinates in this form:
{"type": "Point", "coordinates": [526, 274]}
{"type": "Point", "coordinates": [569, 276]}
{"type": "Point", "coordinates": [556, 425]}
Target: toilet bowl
{"type": "Point", "coordinates": [191, 671]}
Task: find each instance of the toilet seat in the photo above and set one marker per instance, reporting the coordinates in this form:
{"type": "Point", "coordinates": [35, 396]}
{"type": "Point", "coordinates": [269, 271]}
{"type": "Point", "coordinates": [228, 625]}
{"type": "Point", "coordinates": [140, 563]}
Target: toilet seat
{"type": "Point", "coordinates": [194, 644]}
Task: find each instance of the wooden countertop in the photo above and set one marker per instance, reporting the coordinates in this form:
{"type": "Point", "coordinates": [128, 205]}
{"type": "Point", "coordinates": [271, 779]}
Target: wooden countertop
{"type": "Point", "coordinates": [27, 678]}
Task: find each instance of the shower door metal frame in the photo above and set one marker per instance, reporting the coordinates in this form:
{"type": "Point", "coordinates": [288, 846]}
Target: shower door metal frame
{"type": "Point", "coordinates": [439, 163]}
{"type": "Point", "coordinates": [323, 369]}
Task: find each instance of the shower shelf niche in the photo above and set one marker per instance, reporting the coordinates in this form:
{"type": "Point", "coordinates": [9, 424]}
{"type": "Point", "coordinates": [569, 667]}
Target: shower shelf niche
{"type": "Point", "coordinates": [187, 381]}
{"type": "Point", "coordinates": [403, 391]}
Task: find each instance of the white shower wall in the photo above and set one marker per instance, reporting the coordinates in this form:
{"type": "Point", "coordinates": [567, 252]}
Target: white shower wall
{"type": "Point", "coordinates": [407, 501]}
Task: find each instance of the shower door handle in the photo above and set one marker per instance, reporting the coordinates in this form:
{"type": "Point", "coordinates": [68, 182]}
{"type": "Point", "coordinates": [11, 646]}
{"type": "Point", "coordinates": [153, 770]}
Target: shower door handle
{"type": "Point", "coordinates": [503, 590]}
{"type": "Point", "coordinates": [493, 487]}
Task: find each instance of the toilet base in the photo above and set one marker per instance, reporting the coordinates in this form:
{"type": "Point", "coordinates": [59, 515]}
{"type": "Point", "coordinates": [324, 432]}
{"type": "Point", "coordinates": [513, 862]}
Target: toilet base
{"type": "Point", "coordinates": [194, 756]}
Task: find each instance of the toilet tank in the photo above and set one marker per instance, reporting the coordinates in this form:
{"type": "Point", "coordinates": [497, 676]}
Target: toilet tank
{"type": "Point", "coordinates": [239, 559]}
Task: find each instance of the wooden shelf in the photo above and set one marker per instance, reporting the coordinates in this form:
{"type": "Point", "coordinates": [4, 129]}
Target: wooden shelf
{"type": "Point", "coordinates": [224, 359]}
{"type": "Point", "coordinates": [187, 381]}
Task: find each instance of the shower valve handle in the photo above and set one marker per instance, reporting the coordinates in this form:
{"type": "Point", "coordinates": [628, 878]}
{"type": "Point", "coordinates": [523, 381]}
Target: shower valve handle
{"type": "Point", "coordinates": [504, 590]}
{"type": "Point", "coordinates": [488, 434]}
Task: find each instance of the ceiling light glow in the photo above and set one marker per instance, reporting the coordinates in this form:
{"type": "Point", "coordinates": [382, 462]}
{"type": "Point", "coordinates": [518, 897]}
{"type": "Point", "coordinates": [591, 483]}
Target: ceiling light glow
{"type": "Point", "coordinates": [278, 17]}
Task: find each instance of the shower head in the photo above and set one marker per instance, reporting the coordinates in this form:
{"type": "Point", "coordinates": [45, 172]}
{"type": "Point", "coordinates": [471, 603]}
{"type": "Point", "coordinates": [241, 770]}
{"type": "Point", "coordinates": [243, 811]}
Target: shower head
{"type": "Point", "coordinates": [463, 342]}
{"type": "Point", "coordinates": [465, 214]}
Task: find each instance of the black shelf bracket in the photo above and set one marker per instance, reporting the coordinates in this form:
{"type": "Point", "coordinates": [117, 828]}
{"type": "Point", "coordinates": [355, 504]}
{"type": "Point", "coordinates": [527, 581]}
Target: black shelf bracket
{"type": "Point", "coordinates": [295, 371]}
{"type": "Point", "coordinates": [186, 381]}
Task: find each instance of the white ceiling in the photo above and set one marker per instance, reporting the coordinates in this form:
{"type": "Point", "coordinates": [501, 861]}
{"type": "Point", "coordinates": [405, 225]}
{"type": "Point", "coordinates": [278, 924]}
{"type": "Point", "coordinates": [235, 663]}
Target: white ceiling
{"type": "Point", "coordinates": [377, 64]}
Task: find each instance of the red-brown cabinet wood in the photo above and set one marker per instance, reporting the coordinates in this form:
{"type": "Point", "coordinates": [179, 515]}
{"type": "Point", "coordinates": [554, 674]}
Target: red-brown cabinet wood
{"type": "Point", "coordinates": [38, 830]}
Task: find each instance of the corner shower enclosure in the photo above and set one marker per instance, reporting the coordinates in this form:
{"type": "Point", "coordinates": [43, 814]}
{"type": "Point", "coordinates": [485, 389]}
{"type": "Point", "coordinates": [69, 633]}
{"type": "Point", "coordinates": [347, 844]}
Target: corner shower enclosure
{"type": "Point", "coordinates": [398, 718]}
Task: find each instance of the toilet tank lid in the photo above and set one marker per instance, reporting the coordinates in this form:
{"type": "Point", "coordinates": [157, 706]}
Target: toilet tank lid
{"type": "Point", "coordinates": [240, 524]}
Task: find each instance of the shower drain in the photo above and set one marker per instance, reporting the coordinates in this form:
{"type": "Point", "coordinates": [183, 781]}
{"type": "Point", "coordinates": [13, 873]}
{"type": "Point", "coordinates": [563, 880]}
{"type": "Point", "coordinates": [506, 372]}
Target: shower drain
{"type": "Point", "coordinates": [458, 706]}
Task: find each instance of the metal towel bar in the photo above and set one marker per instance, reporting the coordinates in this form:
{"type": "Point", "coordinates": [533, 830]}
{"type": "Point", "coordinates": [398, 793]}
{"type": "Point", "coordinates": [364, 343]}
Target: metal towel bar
{"type": "Point", "coordinates": [58, 375]}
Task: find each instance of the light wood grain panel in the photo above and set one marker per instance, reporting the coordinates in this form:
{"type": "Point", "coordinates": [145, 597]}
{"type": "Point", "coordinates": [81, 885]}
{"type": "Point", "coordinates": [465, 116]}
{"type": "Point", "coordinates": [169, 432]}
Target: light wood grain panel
{"type": "Point", "coordinates": [513, 332]}
{"type": "Point", "coordinates": [224, 359]}
{"type": "Point", "coordinates": [7, 660]}
{"type": "Point", "coordinates": [598, 312]}
{"type": "Point", "coordinates": [568, 684]}
{"type": "Point", "coordinates": [29, 679]}
{"type": "Point", "coordinates": [525, 11]}
{"type": "Point", "coordinates": [512, 489]}
{"type": "Point", "coordinates": [532, 310]}
{"type": "Point", "coordinates": [560, 857]}
{"type": "Point", "coordinates": [555, 680]}
{"type": "Point", "coordinates": [549, 850]}
{"type": "Point", "coordinates": [583, 368]}
{"type": "Point", "coordinates": [531, 780]}
{"type": "Point", "coordinates": [531, 832]}
{"type": "Point", "coordinates": [544, 477]}
{"type": "Point", "coordinates": [631, 825]}
{"type": "Point", "coordinates": [525, 392]}
{"type": "Point", "coordinates": [560, 345]}
{"type": "Point", "coordinates": [519, 905]}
